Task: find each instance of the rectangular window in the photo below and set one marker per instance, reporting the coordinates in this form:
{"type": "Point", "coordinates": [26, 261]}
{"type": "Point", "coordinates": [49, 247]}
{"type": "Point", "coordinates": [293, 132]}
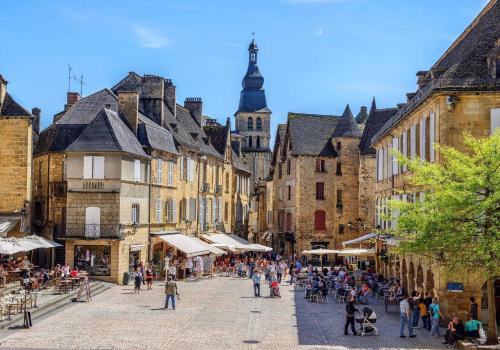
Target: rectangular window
{"type": "Point", "coordinates": [288, 167]}
{"type": "Point", "coordinates": [135, 213]}
{"type": "Point", "coordinates": [339, 197]}
{"type": "Point", "coordinates": [202, 213]}
{"type": "Point", "coordinates": [159, 171]}
{"type": "Point", "coordinates": [339, 146]}
{"type": "Point", "coordinates": [192, 209]}
{"type": "Point", "coordinates": [394, 157]}
{"type": "Point", "coordinates": [404, 142]}
{"type": "Point", "coordinates": [171, 210]}
{"type": "Point", "coordinates": [93, 167]}
{"type": "Point", "coordinates": [494, 119]}
{"type": "Point", "coordinates": [338, 168]}
{"type": "Point", "coordinates": [158, 210]}
{"type": "Point", "coordinates": [320, 190]}
{"type": "Point", "coordinates": [320, 165]}
{"type": "Point", "coordinates": [92, 222]}
{"type": "Point", "coordinates": [288, 222]}
{"type": "Point", "coordinates": [341, 229]}
{"type": "Point", "coordinates": [170, 178]}
{"type": "Point", "coordinates": [280, 170]}
{"type": "Point", "coordinates": [289, 192]}
{"type": "Point", "coordinates": [226, 212]}
{"type": "Point", "coordinates": [137, 170]}
{"type": "Point", "coordinates": [319, 220]}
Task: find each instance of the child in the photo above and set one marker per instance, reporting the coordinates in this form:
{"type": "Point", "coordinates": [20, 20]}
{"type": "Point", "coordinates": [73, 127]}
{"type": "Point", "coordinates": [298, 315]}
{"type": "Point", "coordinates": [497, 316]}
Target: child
{"type": "Point", "coordinates": [275, 287]}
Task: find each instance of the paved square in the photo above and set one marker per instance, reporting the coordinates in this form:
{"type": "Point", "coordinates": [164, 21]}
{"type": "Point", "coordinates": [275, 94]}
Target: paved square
{"type": "Point", "coordinates": [211, 314]}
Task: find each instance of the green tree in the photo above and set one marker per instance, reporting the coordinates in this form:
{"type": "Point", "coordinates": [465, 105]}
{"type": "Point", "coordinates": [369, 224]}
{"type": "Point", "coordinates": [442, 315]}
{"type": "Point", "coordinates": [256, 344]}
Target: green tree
{"type": "Point", "coordinates": [456, 223]}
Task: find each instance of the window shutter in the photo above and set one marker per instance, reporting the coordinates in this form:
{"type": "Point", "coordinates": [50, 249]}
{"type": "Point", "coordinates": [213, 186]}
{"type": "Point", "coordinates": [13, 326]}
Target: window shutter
{"type": "Point", "coordinates": [422, 138]}
{"type": "Point", "coordinates": [98, 168]}
{"type": "Point", "coordinates": [159, 171]}
{"type": "Point", "coordinates": [87, 167]}
{"type": "Point", "coordinates": [395, 162]}
{"type": "Point", "coordinates": [413, 141]}
{"type": "Point", "coordinates": [133, 214]}
{"type": "Point", "coordinates": [137, 170]}
{"type": "Point", "coordinates": [181, 168]}
{"type": "Point", "coordinates": [92, 222]}
{"type": "Point", "coordinates": [214, 210]}
{"type": "Point", "coordinates": [174, 211]}
{"type": "Point", "coordinates": [202, 213]}
{"type": "Point", "coordinates": [405, 147]}
{"type": "Point", "coordinates": [158, 210]}
{"type": "Point", "coordinates": [171, 173]}
{"type": "Point", "coordinates": [220, 210]}
{"type": "Point", "coordinates": [432, 136]}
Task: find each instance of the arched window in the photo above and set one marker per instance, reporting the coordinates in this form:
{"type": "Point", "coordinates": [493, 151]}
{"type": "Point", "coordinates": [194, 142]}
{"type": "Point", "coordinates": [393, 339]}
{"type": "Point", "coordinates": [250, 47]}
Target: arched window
{"type": "Point", "coordinates": [319, 220]}
{"type": "Point", "coordinates": [250, 143]}
{"type": "Point", "coordinates": [259, 123]}
{"type": "Point", "coordinates": [257, 144]}
{"type": "Point", "coordinates": [250, 123]}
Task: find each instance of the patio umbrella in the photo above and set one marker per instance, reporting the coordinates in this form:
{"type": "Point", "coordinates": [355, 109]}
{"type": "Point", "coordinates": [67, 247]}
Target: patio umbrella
{"type": "Point", "coordinates": [42, 242]}
{"type": "Point", "coordinates": [320, 252]}
{"type": "Point", "coordinates": [9, 248]}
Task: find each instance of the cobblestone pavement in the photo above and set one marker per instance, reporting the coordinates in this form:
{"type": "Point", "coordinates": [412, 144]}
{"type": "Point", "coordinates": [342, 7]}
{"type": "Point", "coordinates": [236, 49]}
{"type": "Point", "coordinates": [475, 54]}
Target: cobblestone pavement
{"type": "Point", "coordinates": [211, 314]}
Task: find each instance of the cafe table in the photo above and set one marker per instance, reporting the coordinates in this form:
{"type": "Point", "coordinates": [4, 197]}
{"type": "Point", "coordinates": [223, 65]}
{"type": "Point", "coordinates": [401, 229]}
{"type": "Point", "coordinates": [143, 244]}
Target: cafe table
{"type": "Point", "coordinates": [66, 284]}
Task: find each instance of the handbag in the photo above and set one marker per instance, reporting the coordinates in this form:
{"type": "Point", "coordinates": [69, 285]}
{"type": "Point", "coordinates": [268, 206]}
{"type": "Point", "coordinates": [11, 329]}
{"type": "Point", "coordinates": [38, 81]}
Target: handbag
{"type": "Point", "coordinates": [482, 335]}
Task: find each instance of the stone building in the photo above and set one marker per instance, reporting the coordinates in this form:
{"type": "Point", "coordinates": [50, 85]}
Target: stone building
{"type": "Point", "coordinates": [18, 128]}
{"type": "Point", "coordinates": [158, 172]}
{"type": "Point", "coordinates": [253, 119]}
{"type": "Point", "coordinates": [458, 93]}
{"type": "Point", "coordinates": [315, 181]}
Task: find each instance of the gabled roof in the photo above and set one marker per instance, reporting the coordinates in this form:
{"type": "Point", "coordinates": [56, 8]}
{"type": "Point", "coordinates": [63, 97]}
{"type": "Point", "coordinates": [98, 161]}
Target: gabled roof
{"type": "Point", "coordinates": [279, 139]}
{"type": "Point", "coordinates": [239, 163]}
{"type": "Point", "coordinates": [463, 67]}
{"type": "Point", "coordinates": [131, 82]}
{"type": "Point", "coordinates": [154, 136]}
{"type": "Point", "coordinates": [218, 137]}
{"type": "Point", "coordinates": [107, 133]}
{"type": "Point", "coordinates": [85, 110]}
{"type": "Point", "coordinates": [347, 126]}
{"type": "Point", "coordinates": [310, 134]}
{"type": "Point", "coordinates": [376, 119]}
{"type": "Point", "coordinates": [11, 108]}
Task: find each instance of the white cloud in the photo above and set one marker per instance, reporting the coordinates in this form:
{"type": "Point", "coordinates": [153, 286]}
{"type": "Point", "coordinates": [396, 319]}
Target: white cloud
{"type": "Point", "coordinates": [149, 38]}
{"type": "Point", "coordinates": [319, 32]}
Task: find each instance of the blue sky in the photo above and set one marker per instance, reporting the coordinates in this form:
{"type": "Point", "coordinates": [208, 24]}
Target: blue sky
{"type": "Point", "coordinates": [315, 55]}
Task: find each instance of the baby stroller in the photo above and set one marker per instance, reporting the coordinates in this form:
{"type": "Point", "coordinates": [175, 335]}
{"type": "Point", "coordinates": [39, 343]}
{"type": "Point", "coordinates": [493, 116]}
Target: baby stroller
{"type": "Point", "coordinates": [366, 321]}
{"type": "Point", "coordinates": [275, 290]}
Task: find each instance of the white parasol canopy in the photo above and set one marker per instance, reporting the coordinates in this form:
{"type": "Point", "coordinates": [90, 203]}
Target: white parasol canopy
{"type": "Point", "coordinates": [355, 252]}
{"type": "Point", "coordinates": [42, 242]}
{"type": "Point", "coordinates": [320, 251]}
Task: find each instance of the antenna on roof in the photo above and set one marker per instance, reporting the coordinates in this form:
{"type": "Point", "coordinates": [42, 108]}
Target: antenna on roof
{"type": "Point", "coordinates": [80, 81]}
{"type": "Point", "coordinates": [69, 77]}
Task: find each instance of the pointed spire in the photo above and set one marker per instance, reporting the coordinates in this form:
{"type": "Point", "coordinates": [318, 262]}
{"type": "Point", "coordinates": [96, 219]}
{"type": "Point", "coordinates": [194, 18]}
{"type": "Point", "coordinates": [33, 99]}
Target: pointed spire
{"type": "Point", "coordinates": [374, 106]}
{"type": "Point", "coordinates": [347, 126]}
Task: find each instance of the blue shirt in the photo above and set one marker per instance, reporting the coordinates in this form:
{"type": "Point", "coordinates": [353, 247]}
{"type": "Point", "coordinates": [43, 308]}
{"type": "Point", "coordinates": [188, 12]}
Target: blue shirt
{"type": "Point", "coordinates": [256, 278]}
{"type": "Point", "coordinates": [298, 265]}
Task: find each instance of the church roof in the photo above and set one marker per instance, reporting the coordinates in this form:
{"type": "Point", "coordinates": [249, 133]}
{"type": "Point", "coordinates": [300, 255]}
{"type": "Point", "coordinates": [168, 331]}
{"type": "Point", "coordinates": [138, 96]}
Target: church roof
{"type": "Point", "coordinates": [347, 126]}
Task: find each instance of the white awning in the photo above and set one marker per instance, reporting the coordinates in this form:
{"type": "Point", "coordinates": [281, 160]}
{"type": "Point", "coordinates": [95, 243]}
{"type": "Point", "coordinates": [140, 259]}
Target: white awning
{"type": "Point", "coordinates": [360, 240]}
{"type": "Point", "coordinates": [185, 244]}
{"type": "Point", "coordinates": [227, 240]}
{"type": "Point", "coordinates": [7, 223]}
{"type": "Point", "coordinates": [15, 245]}
{"type": "Point", "coordinates": [41, 241]}
{"type": "Point", "coordinates": [319, 251]}
{"type": "Point", "coordinates": [355, 252]}
{"type": "Point", "coordinates": [209, 247]}
{"type": "Point", "coordinates": [136, 247]}
{"type": "Point", "coordinates": [258, 248]}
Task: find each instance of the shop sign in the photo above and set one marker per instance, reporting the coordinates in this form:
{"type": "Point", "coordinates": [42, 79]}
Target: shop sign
{"type": "Point", "coordinates": [455, 287]}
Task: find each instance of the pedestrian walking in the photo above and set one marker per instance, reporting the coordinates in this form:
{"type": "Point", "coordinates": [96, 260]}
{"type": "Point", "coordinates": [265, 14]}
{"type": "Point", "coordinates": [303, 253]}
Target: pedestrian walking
{"type": "Point", "coordinates": [473, 308]}
{"type": "Point", "coordinates": [170, 292]}
{"type": "Point", "coordinates": [279, 271]}
{"type": "Point", "coordinates": [435, 313]}
{"type": "Point", "coordinates": [172, 272]}
{"type": "Point", "coordinates": [149, 277]}
{"type": "Point", "coordinates": [404, 317]}
{"type": "Point", "coordinates": [414, 309]}
{"type": "Point", "coordinates": [137, 280]}
{"type": "Point", "coordinates": [256, 283]}
{"type": "Point", "coordinates": [350, 310]}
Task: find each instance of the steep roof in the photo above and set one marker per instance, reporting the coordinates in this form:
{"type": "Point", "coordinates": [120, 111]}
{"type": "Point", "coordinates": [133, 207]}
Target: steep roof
{"type": "Point", "coordinates": [463, 67]}
{"type": "Point", "coordinates": [280, 137]}
{"type": "Point", "coordinates": [376, 119]}
{"type": "Point", "coordinates": [310, 134]}
{"type": "Point", "coordinates": [10, 108]}
{"type": "Point", "coordinates": [239, 163]}
{"type": "Point", "coordinates": [218, 136]}
{"type": "Point", "coordinates": [347, 126]}
{"type": "Point", "coordinates": [69, 126]}
{"type": "Point", "coordinates": [107, 133]}
{"type": "Point", "coordinates": [154, 136]}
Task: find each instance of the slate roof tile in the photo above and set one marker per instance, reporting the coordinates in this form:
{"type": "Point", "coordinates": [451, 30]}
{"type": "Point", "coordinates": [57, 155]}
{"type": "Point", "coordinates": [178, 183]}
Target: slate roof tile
{"type": "Point", "coordinates": [11, 108]}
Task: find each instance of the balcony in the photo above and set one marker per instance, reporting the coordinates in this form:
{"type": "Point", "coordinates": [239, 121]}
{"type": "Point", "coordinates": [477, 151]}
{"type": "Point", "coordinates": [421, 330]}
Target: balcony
{"type": "Point", "coordinates": [94, 185]}
{"type": "Point", "coordinates": [218, 189]}
{"type": "Point", "coordinates": [92, 231]}
{"type": "Point", "coordinates": [205, 187]}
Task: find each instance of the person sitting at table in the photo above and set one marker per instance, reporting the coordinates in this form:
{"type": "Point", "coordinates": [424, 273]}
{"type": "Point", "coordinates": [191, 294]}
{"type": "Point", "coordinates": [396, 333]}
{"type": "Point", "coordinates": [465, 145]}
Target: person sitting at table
{"type": "Point", "coordinates": [46, 276]}
{"type": "Point", "coordinates": [472, 327]}
{"type": "Point", "coordinates": [65, 270]}
{"type": "Point", "coordinates": [74, 272]}
{"type": "Point", "coordinates": [26, 263]}
{"type": "Point", "coordinates": [57, 271]}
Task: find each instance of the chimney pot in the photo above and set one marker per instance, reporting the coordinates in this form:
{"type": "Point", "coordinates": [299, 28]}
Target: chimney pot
{"type": "Point", "coordinates": [128, 107]}
{"type": "Point", "coordinates": [195, 106]}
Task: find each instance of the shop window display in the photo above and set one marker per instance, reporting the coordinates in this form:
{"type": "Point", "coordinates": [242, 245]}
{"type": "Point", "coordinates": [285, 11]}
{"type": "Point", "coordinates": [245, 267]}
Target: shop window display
{"type": "Point", "coordinates": [96, 260]}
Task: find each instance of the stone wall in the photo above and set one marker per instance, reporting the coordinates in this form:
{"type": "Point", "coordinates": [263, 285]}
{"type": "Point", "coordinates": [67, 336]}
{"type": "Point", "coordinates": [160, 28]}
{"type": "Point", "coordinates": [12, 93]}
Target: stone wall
{"type": "Point", "coordinates": [366, 199]}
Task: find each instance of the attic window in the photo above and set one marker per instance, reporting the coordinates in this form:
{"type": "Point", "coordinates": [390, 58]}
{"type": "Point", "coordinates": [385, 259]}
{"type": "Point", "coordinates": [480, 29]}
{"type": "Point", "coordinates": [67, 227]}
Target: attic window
{"type": "Point", "coordinates": [173, 125]}
{"type": "Point", "coordinates": [205, 139]}
{"type": "Point", "coordinates": [194, 135]}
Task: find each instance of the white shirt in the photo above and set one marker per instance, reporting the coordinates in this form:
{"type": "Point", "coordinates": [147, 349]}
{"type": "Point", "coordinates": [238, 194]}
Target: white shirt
{"type": "Point", "coordinates": [404, 307]}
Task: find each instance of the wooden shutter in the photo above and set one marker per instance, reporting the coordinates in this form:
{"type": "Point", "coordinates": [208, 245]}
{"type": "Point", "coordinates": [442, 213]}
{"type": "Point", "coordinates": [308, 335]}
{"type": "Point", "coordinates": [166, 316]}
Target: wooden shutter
{"type": "Point", "coordinates": [92, 222]}
{"type": "Point", "coordinates": [174, 211]}
{"type": "Point", "coordinates": [319, 220]}
{"type": "Point", "coordinates": [158, 210]}
{"type": "Point", "coordinates": [494, 120]}
{"type": "Point", "coordinates": [181, 168]}
{"type": "Point", "coordinates": [422, 139]}
{"type": "Point", "coordinates": [432, 136]}
{"type": "Point", "coordinates": [170, 173]}
{"type": "Point", "coordinates": [137, 170]}
{"type": "Point", "coordinates": [159, 171]}
{"type": "Point", "coordinates": [87, 167]}
{"type": "Point", "coordinates": [98, 168]}
{"type": "Point", "coordinates": [395, 162]}
{"type": "Point", "coordinates": [405, 146]}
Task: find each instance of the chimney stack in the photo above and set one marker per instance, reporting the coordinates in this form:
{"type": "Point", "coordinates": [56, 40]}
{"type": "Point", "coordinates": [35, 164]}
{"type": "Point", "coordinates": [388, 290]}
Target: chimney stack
{"type": "Point", "coordinates": [3, 90]}
{"type": "Point", "coordinates": [195, 106]}
{"type": "Point", "coordinates": [36, 122]}
{"type": "Point", "coordinates": [71, 98]}
{"type": "Point", "coordinates": [169, 95]}
{"type": "Point", "coordinates": [128, 107]}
